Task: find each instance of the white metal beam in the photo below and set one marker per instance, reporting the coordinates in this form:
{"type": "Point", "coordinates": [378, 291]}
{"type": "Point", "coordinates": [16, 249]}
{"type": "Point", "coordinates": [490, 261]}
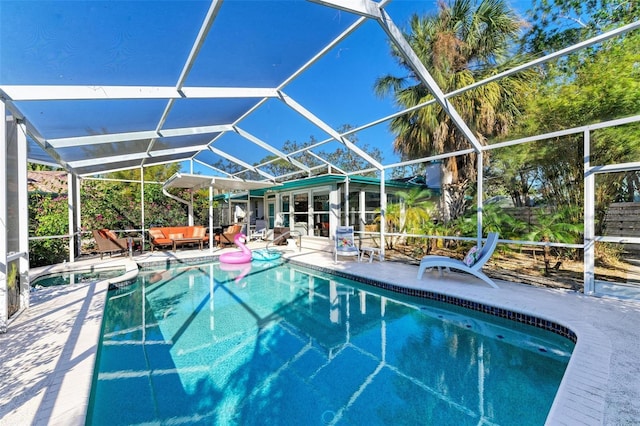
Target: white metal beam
{"type": "Point", "coordinates": [200, 38]}
{"type": "Point", "coordinates": [137, 156]}
{"type": "Point", "coordinates": [73, 93]}
{"type": "Point", "coordinates": [566, 132]}
{"type": "Point", "coordinates": [114, 167]}
{"type": "Point", "coordinates": [214, 8]}
{"type": "Point", "coordinates": [35, 134]}
{"type": "Point", "coordinates": [133, 136]}
{"type": "Point", "coordinates": [240, 162]}
{"type": "Point", "coordinates": [326, 162]}
{"type": "Point", "coordinates": [322, 125]}
{"type": "Point", "coordinates": [209, 166]}
{"type": "Point", "coordinates": [67, 93]}
{"type": "Point", "coordinates": [366, 8]}
{"type": "Point", "coordinates": [271, 149]}
{"type": "Point", "coordinates": [615, 168]}
{"type": "Point", "coordinates": [229, 92]}
{"type": "Point", "coordinates": [578, 46]}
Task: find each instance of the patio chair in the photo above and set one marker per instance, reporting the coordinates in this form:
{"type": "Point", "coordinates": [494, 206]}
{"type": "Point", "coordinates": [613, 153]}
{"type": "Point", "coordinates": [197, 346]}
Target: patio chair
{"type": "Point", "coordinates": [261, 230]}
{"type": "Point", "coordinates": [472, 263]}
{"type": "Point", "coordinates": [108, 242]}
{"type": "Point", "coordinates": [227, 236]}
{"type": "Point", "coordinates": [345, 243]}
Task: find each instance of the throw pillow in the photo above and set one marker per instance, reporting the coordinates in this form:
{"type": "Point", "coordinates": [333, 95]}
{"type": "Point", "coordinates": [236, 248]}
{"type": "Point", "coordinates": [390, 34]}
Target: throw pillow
{"type": "Point", "coordinates": [175, 236]}
{"type": "Point", "coordinates": [110, 234]}
{"type": "Point", "coordinates": [471, 257]}
{"type": "Point", "coordinates": [156, 233]}
{"type": "Point", "coordinates": [199, 232]}
{"type": "Point", "coordinates": [345, 242]}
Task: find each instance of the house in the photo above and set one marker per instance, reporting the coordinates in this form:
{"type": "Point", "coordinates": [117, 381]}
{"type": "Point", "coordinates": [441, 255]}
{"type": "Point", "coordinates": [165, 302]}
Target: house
{"type": "Point", "coordinates": [313, 206]}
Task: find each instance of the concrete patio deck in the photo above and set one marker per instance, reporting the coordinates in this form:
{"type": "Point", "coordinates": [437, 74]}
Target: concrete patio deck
{"type": "Point", "coordinates": [49, 352]}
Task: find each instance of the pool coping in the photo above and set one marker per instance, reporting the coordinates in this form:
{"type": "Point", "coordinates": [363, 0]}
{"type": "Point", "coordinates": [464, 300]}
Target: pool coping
{"type": "Point", "coordinates": [593, 390]}
{"type": "Point", "coordinates": [129, 266]}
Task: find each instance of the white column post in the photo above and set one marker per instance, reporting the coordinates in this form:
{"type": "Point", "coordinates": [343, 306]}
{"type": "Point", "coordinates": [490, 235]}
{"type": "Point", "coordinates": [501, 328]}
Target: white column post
{"type": "Point", "coordinates": [589, 218]}
{"type": "Point", "coordinates": [480, 197]}
{"type": "Point", "coordinates": [383, 210]}
{"type": "Point", "coordinates": [211, 236]}
{"type": "Point", "coordinates": [190, 208]}
{"type": "Point", "coordinates": [334, 208]}
{"type": "Point", "coordinates": [23, 218]}
{"type": "Point", "coordinates": [346, 203]}
{"type": "Point", "coordinates": [362, 201]}
{"type": "Point", "coordinates": [71, 190]}
{"type": "Point", "coordinates": [4, 311]}
{"type": "Point", "coordinates": [142, 222]}
{"type": "Point", "coordinates": [78, 215]}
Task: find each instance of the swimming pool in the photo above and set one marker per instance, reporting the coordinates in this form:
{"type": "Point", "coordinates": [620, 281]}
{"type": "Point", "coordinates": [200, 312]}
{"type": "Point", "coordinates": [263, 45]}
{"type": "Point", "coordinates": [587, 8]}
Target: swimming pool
{"type": "Point", "coordinates": [273, 343]}
{"type": "Point", "coordinates": [75, 277]}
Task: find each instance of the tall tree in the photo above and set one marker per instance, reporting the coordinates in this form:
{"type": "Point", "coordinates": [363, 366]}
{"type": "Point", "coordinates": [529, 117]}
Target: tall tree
{"type": "Point", "coordinates": [279, 166]}
{"type": "Point", "coordinates": [603, 85]}
{"type": "Point", "coordinates": [348, 160]}
{"type": "Point", "coordinates": [461, 44]}
{"type": "Point", "coordinates": [560, 23]}
{"type": "Point", "coordinates": [342, 158]}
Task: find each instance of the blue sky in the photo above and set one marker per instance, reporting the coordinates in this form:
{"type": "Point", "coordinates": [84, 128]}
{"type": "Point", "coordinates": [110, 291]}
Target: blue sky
{"type": "Point", "coordinates": [94, 42]}
{"type": "Point", "coordinates": [351, 101]}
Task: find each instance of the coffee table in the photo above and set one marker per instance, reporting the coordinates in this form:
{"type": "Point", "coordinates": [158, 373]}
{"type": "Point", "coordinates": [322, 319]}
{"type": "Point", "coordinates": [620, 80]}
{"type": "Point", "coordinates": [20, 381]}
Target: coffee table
{"type": "Point", "coordinates": [180, 241]}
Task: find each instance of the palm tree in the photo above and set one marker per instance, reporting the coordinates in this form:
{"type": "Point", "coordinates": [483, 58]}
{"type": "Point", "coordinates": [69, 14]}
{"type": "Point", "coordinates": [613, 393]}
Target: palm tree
{"type": "Point", "coordinates": [460, 44]}
{"type": "Point", "coordinates": [410, 214]}
{"type": "Point", "coordinates": [562, 226]}
{"type": "Point", "coordinates": [416, 208]}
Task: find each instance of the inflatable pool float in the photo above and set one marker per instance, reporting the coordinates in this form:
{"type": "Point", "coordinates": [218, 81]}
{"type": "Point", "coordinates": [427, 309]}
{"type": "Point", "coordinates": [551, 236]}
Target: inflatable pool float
{"type": "Point", "coordinates": [242, 256]}
{"type": "Point", "coordinates": [266, 255]}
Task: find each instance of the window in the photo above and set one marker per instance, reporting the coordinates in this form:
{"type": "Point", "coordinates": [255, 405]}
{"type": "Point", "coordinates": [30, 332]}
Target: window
{"type": "Point", "coordinates": [321, 214]}
{"type": "Point", "coordinates": [372, 207]}
{"type": "Point", "coordinates": [285, 203]}
{"type": "Point", "coordinates": [301, 213]}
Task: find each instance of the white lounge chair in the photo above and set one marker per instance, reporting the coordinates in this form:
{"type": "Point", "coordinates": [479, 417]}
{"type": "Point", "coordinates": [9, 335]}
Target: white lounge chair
{"type": "Point", "coordinates": [345, 244]}
{"type": "Point", "coordinates": [484, 254]}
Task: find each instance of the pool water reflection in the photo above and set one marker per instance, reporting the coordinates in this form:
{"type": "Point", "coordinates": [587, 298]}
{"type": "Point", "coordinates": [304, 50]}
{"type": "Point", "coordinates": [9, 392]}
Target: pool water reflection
{"type": "Point", "coordinates": [287, 345]}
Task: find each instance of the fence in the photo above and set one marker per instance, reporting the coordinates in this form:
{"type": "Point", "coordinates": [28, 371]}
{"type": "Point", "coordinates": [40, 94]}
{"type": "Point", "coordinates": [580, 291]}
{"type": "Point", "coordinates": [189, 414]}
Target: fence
{"type": "Point", "coordinates": [622, 220]}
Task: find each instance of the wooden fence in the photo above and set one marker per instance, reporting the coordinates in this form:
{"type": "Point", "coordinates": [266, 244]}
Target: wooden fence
{"type": "Point", "coordinates": [622, 220]}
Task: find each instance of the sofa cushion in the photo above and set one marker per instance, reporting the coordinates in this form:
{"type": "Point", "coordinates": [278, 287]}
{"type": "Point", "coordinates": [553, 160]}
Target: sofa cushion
{"type": "Point", "coordinates": [176, 236]}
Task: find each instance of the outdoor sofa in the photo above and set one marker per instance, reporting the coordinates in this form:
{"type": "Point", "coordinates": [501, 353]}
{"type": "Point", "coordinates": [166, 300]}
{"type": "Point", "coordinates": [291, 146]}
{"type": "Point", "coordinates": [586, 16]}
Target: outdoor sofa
{"type": "Point", "coordinates": [174, 236]}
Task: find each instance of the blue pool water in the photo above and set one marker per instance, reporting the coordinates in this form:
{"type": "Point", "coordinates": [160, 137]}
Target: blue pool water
{"type": "Point", "coordinates": [76, 277]}
{"type": "Point", "coordinates": [279, 344]}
